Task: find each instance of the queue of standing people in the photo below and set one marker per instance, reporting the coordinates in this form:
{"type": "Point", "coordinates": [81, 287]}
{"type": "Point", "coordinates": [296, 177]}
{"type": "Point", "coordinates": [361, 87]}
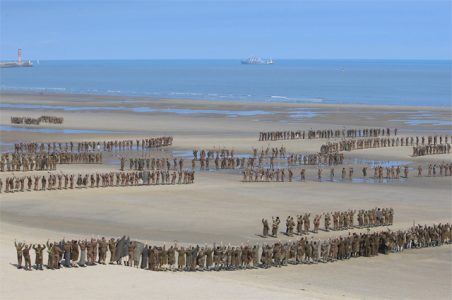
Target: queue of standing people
{"type": "Point", "coordinates": [325, 134]}
{"type": "Point", "coordinates": [341, 220]}
{"type": "Point", "coordinates": [219, 257]}
{"type": "Point", "coordinates": [16, 162]}
{"type": "Point", "coordinates": [106, 146]}
{"type": "Point", "coordinates": [61, 181]}
{"type": "Point", "coordinates": [37, 121]}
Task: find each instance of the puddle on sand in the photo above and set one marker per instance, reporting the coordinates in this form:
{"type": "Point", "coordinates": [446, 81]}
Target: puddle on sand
{"type": "Point", "coordinates": [303, 114]}
{"type": "Point", "coordinates": [10, 128]}
{"type": "Point", "coordinates": [358, 180]}
{"type": "Point", "coordinates": [373, 163]}
{"type": "Point", "coordinates": [432, 122]}
{"type": "Point", "coordinates": [181, 111]}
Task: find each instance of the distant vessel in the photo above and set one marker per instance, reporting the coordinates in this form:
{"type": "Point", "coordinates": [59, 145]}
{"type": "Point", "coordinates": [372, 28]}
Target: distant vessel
{"type": "Point", "coordinates": [16, 64]}
{"type": "Point", "coordinates": [257, 61]}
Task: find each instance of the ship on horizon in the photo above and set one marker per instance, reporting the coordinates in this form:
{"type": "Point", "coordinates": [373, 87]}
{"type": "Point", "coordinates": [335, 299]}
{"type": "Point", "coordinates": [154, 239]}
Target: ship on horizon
{"type": "Point", "coordinates": [16, 64]}
{"type": "Point", "coordinates": [254, 60]}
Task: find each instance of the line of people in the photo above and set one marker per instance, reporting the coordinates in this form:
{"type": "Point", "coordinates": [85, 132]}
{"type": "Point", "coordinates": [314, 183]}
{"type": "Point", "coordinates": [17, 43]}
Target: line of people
{"type": "Point", "coordinates": [431, 149]}
{"type": "Point", "coordinates": [267, 175]}
{"type": "Point", "coordinates": [315, 159]}
{"type": "Point", "coordinates": [15, 162]}
{"type": "Point", "coordinates": [393, 172]}
{"type": "Point", "coordinates": [37, 121]}
{"type": "Point", "coordinates": [141, 164]}
{"type": "Point", "coordinates": [325, 134]}
{"type": "Point", "coordinates": [357, 144]}
{"type": "Point", "coordinates": [212, 153]}
{"type": "Point", "coordinates": [253, 162]}
{"type": "Point", "coordinates": [274, 152]}
{"type": "Point", "coordinates": [80, 253]}
{"type": "Point", "coordinates": [445, 169]}
{"type": "Point", "coordinates": [95, 180]}
{"type": "Point", "coordinates": [342, 220]}
{"type": "Point", "coordinates": [220, 153]}
{"type": "Point", "coordinates": [87, 146]}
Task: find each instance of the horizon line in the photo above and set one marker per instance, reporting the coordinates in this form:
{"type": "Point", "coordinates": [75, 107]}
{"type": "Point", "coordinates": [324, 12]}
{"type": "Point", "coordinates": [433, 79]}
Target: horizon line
{"type": "Point", "coordinates": [290, 58]}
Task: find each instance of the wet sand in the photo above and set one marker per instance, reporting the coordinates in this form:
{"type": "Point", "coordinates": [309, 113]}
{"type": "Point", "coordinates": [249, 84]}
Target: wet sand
{"type": "Point", "coordinates": [219, 207]}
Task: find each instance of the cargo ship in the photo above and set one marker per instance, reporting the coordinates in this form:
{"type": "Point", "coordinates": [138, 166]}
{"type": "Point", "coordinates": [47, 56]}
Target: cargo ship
{"type": "Point", "coordinates": [16, 64]}
{"type": "Point", "coordinates": [257, 61]}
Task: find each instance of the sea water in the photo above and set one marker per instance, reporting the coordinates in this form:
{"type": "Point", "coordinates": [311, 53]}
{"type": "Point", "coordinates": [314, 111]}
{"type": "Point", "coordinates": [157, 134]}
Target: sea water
{"type": "Point", "coordinates": [381, 82]}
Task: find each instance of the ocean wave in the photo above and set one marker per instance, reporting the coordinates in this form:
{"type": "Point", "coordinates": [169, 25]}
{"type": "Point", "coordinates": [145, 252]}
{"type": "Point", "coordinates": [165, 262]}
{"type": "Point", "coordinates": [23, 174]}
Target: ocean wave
{"type": "Point", "coordinates": [31, 89]}
{"type": "Point", "coordinates": [297, 100]}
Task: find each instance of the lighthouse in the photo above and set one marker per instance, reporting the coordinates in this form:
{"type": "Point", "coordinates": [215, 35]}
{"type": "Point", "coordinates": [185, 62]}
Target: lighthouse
{"type": "Point", "coordinates": [18, 63]}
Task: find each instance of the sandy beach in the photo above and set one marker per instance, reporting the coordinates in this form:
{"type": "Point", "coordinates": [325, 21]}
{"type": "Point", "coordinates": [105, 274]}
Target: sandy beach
{"type": "Point", "coordinates": [218, 207]}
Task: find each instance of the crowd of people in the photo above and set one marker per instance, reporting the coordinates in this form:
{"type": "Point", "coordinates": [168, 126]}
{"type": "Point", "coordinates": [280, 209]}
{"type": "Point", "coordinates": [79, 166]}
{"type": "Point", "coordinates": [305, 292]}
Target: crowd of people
{"type": "Point", "coordinates": [379, 142]}
{"type": "Point", "coordinates": [87, 146]}
{"type": "Point", "coordinates": [325, 134]}
{"type": "Point", "coordinates": [342, 220]}
{"type": "Point", "coordinates": [212, 153]}
{"type": "Point", "coordinates": [431, 149]}
{"type": "Point", "coordinates": [269, 152]}
{"type": "Point", "coordinates": [61, 181]}
{"type": "Point", "coordinates": [267, 175]}
{"type": "Point", "coordinates": [15, 162]}
{"type": "Point", "coordinates": [228, 161]}
{"type": "Point", "coordinates": [315, 159]}
{"type": "Point", "coordinates": [141, 164]}
{"type": "Point", "coordinates": [445, 169]}
{"type": "Point", "coordinates": [80, 253]}
{"type": "Point", "coordinates": [37, 121]}
{"type": "Point", "coordinates": [380, 173]}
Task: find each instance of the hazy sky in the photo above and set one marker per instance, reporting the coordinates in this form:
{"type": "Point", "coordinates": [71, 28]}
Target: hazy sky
{"type": "Point", "coordinates": [226, 29]}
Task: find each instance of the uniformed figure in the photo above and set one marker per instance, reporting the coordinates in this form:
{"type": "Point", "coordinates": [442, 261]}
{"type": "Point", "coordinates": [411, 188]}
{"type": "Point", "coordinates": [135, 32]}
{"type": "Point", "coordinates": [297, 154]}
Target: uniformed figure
{"type": "Point", "coordinates": [103, 248]}
{"type": "Point", "coordinates": [27, 258]}
{"type": "Point", "coordinates": [275, 226]}
{"type": "Point", "coordinates": [265, 228]}
{"type": "Point", "coordinates": [131, 250]}
{"type": "Point", "coordinates": [19, 248]}
{"type": "Point", "coordinates": [39, 255]}
{"type": "Point", "coordinates": [112, 248]}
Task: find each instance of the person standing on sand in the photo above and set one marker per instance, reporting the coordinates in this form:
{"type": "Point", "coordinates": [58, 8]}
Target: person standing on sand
{"type": "Point", "coordinates": [112, 248]}
{"type": "Point", "coordinates": [103, 247]}
{"type": "Point", "coordinates": [19, 248]}
{"type": "Point", "coordinates": [299, 225]}
{"type": "Point", "coordinates": [39, 255]}
{"type": "Point", "coordinates": [131, 250]}
{"type": "Point", "coordinates": [275, 226]}
{"type": "Point", "coordinates": [27, 257]}
{"type": "Point", "coordinates": [266, 228]}
{"type": "Point", "coordinates": [327, 221]}
{"type": "Point", "coordinates": [302, 174]}
{"type": "Point", "coordinates": [75, 253]}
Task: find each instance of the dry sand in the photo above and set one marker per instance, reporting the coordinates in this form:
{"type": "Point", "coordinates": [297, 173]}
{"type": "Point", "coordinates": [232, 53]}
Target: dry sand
{"type": "Point", "coordinates": [218, 207]}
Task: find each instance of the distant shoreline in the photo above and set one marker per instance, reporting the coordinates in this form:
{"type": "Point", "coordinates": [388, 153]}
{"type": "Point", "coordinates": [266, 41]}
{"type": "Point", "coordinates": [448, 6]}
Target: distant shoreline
{"type": "Point", "coordinates": [175, 100]}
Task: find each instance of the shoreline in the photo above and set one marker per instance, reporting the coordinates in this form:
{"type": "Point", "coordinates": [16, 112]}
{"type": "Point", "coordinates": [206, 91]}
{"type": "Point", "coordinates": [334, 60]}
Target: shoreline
{"type": "Point", "coordinates": [175, 101]}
